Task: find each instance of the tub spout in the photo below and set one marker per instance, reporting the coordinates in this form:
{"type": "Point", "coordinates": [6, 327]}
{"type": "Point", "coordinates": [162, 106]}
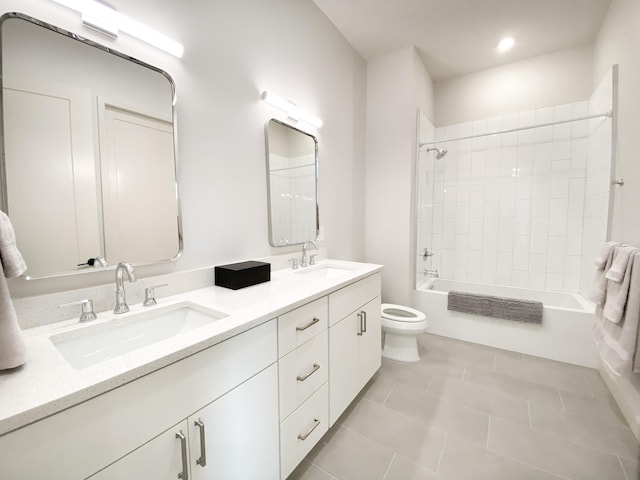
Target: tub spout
{"type": "Point", "coordinates": [431, 273]}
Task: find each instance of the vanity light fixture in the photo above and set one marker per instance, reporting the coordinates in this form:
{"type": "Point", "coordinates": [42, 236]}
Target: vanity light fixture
{"type": "Point", "coordinates": [291, 109]}
{"type": "Point", "coordinates": [506, 44]}
{"type": "Point", "coordinates": [109, 21]}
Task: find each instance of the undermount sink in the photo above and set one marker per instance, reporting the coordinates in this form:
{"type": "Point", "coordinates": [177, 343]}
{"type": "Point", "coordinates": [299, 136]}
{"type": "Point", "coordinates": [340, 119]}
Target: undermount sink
{"type": "Point", "coordinates": [324, 271]}
{"type": "Point", "coordinates": [96, 343]}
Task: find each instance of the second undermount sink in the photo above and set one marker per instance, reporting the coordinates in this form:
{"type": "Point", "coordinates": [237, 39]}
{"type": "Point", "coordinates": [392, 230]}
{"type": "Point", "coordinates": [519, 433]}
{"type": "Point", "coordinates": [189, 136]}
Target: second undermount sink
{"type": "Point", "coordinates": [324, 271]}
{"type": "Point", "coordinates": [96, 343]}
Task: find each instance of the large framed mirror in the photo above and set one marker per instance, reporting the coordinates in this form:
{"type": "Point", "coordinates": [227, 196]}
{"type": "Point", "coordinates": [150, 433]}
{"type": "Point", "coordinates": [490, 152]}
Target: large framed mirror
{"type": "Point", "coordinates": [89, 167]}
{"type": "Point", "coordinates": [292, 184]}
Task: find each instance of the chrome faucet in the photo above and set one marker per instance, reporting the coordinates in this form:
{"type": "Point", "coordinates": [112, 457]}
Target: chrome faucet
{"type": "Point", "coordinates": [303, 262]}
{"type": "Point", "coordinates": [121, 299]}
{"type": "Point", "coordinates": [431, 273]}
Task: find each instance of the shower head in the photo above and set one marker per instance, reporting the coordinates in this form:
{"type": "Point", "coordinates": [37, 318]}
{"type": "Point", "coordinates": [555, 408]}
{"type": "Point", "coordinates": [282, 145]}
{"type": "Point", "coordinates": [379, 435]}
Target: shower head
{"type": "Point", "coordinates": [440, 152]}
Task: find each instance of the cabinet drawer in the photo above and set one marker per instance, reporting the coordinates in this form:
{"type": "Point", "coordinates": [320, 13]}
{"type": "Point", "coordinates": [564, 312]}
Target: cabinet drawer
{"type": "Point", "coordinates": [348, 299]}
{"type": "Point", "coordinates": [299, 325]}
{"type": "Point", "coordinates": [302, 372]}
{"type": "Point", "coordinates": [309, 421]}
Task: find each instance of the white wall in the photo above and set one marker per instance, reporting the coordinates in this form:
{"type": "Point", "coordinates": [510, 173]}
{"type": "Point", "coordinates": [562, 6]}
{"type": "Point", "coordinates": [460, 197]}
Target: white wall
{"type": "Point", "coordinates": [234, 51]}
{"type": "Point", "coordinates": [619, 43]}
{"type": "Point", "coordinates": [393, 81]}
{"type": "Point", "coordinates": [553, 79]}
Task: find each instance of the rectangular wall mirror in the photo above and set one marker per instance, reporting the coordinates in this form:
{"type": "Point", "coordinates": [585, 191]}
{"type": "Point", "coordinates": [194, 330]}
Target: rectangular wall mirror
{"type": "Point", "coordinates": [89, 153]}
{"type": "Point", "coordinates": [292, 168]}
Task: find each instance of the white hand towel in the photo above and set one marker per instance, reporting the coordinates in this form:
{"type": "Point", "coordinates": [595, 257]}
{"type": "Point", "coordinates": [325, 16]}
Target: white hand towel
{"type": "Point", "coordinates": [620, 263]}
{"type": "Point", "coordinates": [12, 262]}
{"type": "Point", "coordinates": [618, 291]}
{"type": "Point", "coordinates": [598, 294]}
{"type": "Point", "coordinates": [618, 343]}
{"type": "Point", "coordinates": [601, 260]}
{"type": "Point", "coordinates": [12, 348]}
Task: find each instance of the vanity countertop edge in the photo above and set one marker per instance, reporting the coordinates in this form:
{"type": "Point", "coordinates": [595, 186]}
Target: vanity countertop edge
{"type": "Point", "coordinates": [47, 384]}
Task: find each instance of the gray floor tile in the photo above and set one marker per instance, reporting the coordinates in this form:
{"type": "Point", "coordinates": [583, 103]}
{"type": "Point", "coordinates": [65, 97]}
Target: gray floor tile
{"type": "Point", "coordinates": [516, 387]}
{"type": "Point", "coordinates": [308, 471]}
{"type": "Point", "coordinates": [378, 389]}
{"type": "Point", "coordinates": [462, 460]}
{"type": "Point", "coordinates": [479, 398]}
{"type": "Point", "coordinates": [462, 353]}
{"type": "Point", "coordinates": [411, 439]}
{"type": "Point", "coordinates": [596, 384]}
{"type": "Point", "coordinates": [404, 469]}
{"type": "Point", "coordinates": [410, 374]}
{"type": "Point", "coordinates": [440, 413]}
{"type": "Point", "coordinates": [545, 372]}
{"type": "Point", "coordinates": [551, 454]}
{"type": "Point", "coordinates": [350, 456]}
{"type": "Point", "coordinates": [631, 468]}
{"type": "Point", "coordinates": [600, 409]}
{"type": "Point", "coordinates": [499, 352]}
{"type": "Point", "coordinates": [574, 428]}
{"type": "Point", "coordinates": [450, 416]}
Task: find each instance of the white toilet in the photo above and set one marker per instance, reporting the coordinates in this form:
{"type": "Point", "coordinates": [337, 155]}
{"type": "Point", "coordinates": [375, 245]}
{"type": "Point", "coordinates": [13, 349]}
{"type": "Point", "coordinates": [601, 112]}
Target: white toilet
{"type": "Point", "coordinates": [401, 326]}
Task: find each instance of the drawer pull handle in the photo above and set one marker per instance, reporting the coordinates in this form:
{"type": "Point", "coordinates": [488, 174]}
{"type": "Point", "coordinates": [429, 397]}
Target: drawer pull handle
{"type": "Point", "coordinates": [364, 321]}
{"type": "Point", "coordinates": [302, 378]}
{"type": "Point", "coordinates": [303, 436]}
{"type": "Point", "coordinates": [202, 461]}
{"type": "Point", "coordinates": [310, 324]}
{"type": "Point", "coordinates": [361, 330]}
{"type": "Point", "coordinates": [184, 474]}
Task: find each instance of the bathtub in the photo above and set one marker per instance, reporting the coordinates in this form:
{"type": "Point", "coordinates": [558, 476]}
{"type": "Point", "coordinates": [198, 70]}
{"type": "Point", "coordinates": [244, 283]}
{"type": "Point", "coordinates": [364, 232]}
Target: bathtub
{"type": "Point", "coordinates": [565, 333]}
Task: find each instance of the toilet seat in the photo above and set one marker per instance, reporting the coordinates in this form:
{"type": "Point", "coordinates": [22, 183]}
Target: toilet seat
{"type": "Point", "coordinates": [400, 313]}
{"type": "Point", "coordinates": [400, 327]}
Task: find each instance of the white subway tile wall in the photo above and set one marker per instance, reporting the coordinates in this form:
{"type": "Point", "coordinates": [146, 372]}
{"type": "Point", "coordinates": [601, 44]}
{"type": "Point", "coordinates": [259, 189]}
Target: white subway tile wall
{"type": "Point", "coordinates": [527, 208]}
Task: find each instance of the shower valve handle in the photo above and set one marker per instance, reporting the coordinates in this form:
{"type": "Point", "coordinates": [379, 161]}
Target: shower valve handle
{"type": "Point", "coordinates": [426, 254]}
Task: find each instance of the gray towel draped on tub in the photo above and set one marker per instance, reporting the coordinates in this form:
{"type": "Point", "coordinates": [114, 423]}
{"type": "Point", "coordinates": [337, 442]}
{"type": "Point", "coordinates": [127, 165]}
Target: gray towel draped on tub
{"type": "Point", "coordinates": [497, 307]}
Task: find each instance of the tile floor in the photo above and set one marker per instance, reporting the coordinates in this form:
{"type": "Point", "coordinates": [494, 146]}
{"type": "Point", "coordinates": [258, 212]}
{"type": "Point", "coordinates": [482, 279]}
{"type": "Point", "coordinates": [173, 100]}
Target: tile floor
{"type": "Point", "coordinates": [468, 411]}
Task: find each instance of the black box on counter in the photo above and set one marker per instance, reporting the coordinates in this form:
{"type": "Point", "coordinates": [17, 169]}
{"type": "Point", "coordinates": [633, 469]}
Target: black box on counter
{"type": "Point", "coordinates": [243, 274]}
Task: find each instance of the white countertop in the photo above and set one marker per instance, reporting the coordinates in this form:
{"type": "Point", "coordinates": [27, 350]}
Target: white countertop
{"type": "Point", "coordinates": [47, 384]}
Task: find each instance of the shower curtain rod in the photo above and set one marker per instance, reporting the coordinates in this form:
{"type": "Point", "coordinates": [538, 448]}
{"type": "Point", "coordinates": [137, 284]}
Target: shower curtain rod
{"type": "Point", "coordinates": [511, 130]}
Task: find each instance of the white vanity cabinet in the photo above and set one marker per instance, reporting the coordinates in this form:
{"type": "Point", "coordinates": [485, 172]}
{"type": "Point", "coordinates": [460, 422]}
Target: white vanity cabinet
{"type": "Point", "coordinates": [235, 437]}
{"type": "Point", "coordinates": [354, 341]}
{"type": "Point", "coordinates": [231, 386]}
{"type": "Point", "coordinates": [304, 372]}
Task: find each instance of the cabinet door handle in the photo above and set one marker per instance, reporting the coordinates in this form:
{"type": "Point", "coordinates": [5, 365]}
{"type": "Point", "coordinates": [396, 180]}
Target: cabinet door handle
{"type": "Point", "coordinates": [303, 436]}
{"type": "Point", "coordinates": [302, 378]}
{"type": "Point", "coordinates": [310, 324]}
{"type": "Point", "coordinates": [202, 461]}
{"type": "Point", "coordinates": [184, 474]}
{"type": "Point", "coordinates": [364, 321]}
{"type": "Point", "coordinates": [360, 330]}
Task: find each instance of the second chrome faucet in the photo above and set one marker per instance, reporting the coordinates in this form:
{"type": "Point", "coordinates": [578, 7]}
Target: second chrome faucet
{"type": "Point", "coordinates": [121, 298]}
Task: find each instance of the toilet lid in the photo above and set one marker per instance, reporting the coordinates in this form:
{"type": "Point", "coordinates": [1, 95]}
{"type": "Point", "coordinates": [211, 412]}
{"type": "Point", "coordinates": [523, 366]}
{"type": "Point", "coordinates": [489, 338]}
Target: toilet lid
{"type": "Point", "coordinates": [400, 313]}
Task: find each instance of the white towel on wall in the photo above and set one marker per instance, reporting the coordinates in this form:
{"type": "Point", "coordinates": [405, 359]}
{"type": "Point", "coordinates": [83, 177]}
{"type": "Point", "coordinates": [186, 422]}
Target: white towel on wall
{"type": "Point", "coordinates": [601, 260]}
{"type": "Point", "coordinates": [12, 348]}
{"type": "Point", "coordinates": [12, 262]}
{"type": "Point", "coordinates": [598, 293]}
{"type": "Point", "coordinates": [618, 290]}
{"type": "Point", "coordinates": [618, 342]}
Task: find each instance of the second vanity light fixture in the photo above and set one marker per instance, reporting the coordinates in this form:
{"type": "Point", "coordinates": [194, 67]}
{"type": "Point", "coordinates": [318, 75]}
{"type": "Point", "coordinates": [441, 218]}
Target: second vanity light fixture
{"type": "Point", "coordinates": [109, 21]}
{"type": "Point", "coordinates": [291, 109]}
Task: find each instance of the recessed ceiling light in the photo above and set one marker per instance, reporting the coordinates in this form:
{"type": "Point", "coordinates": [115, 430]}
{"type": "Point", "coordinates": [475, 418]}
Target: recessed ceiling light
{"type": "Point", "coordinates": [506, 44]}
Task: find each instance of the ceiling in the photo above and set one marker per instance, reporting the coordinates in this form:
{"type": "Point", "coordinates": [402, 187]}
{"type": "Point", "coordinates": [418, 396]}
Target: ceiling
{"type": "Point", "coordinates": [456, 37]}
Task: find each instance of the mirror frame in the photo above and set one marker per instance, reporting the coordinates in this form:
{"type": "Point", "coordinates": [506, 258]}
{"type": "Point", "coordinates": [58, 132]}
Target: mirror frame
{"type": "Point", "coordinates": [268, 175]}
{"type": "Point", "coordinates": [91, 43]}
